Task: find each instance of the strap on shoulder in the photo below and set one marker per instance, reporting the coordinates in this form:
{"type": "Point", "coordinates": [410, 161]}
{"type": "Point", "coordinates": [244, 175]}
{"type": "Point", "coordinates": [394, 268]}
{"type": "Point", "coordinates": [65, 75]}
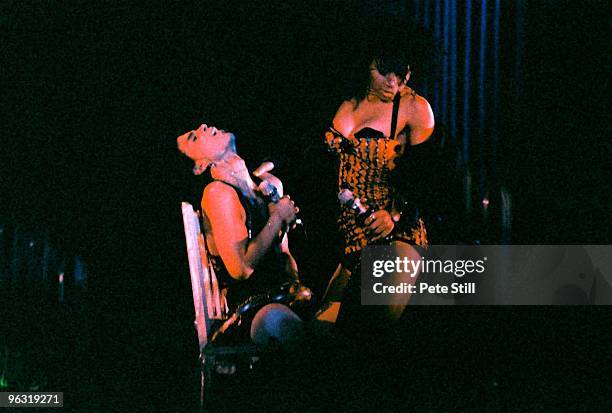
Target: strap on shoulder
{"type": "Point", "coordinates": [396, 104]}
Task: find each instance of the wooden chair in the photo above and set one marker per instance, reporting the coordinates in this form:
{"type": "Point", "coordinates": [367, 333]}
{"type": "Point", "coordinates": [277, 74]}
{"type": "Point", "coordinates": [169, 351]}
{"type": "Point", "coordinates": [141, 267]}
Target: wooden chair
{"type": "Point", "coordinates": [209, 302]}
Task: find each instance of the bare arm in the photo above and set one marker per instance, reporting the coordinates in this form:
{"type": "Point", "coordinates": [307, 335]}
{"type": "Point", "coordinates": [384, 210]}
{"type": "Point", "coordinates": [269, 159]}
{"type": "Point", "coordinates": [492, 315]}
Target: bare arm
{"type": "Point", "coordinates": [420, 119]}
{"type": "Point", "coordinates": [227, 218]}
{"type": "Point", "coordinates": [290, 264]}
{"type": "Point", "coordinates": [344, 121]}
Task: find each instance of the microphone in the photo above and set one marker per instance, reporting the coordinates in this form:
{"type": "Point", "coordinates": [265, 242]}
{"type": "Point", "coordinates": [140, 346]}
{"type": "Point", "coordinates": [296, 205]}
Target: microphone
{"type": "Point", "coordinates": [265, 187]}
{"type": "Point", "coordinates": [348, 199]}
{"type": "Point", "coordinates": [270, 191]}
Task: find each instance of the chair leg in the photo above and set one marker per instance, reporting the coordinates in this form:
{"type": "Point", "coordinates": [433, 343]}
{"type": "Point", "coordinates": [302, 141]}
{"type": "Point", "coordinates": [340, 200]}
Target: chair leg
{"type": "Point", "coordinates": [206, 369]}
{"type": "Point", "coordinates": [202, 388]}
{"type": "Point", "coordinates": [207, 377]}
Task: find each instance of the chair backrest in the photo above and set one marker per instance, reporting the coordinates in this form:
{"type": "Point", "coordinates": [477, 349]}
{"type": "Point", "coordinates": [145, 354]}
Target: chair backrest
{"type": "Point", "coordinates": [208, 300]}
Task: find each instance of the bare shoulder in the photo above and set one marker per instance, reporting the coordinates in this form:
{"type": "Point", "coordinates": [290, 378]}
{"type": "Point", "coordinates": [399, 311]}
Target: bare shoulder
{"type": "Point", "coordinates": [415, 102]}
{"type": "Point", "coordinates": [218, 193]}
{"type": "Point", "coordinates": [419, 117]}
{"type": "Point", "coordinates": [417, 110]}
{"type": "Point", "coordinates": [344, 118]}
{"type": "Point", "coordinates": [347, 107]}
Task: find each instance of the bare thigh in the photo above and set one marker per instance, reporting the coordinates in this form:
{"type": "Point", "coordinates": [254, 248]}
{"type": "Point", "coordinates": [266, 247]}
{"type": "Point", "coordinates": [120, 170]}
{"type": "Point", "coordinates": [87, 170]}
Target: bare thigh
{"type": "Point", "coordinates": [398, 302]}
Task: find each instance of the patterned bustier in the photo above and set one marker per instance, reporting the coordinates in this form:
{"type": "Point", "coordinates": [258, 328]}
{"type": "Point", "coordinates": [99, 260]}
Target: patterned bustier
{"type": "Point", "coordinates": [365, 165]}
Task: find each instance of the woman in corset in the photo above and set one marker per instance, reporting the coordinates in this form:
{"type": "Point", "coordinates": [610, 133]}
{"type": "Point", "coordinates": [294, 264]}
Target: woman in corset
{"type": "Point", "coordinates": [381, 122]}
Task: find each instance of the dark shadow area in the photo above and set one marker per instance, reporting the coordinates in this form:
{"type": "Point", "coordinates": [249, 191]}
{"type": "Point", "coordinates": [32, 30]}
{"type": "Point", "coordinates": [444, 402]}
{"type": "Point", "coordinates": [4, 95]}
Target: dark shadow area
{"type": "Point", "coordinates": [95, 96]}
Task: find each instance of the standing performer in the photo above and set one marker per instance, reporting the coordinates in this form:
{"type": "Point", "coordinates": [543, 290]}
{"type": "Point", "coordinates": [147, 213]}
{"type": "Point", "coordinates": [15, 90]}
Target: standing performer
{"type": "Point", "coordinates": [370, 133]}
{"type": "Point", "coordinates": [245, 233]}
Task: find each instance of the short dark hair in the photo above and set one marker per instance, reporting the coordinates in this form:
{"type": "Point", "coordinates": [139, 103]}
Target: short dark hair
{"type": "Point", "coordinates": [393, 43]}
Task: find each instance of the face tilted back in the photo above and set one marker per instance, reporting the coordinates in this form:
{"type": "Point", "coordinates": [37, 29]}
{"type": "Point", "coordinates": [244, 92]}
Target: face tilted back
{"type": "Point", "coordinates": [206, 145]}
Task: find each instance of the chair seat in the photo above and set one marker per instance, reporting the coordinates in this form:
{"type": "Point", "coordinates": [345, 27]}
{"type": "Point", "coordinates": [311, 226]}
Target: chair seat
{"type": "Point", "coordinates": [213, 350]}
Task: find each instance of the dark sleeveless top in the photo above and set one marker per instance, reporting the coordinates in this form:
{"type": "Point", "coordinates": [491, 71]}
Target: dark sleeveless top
{"type": "Point", "coordinates": [366, 161]}
{"type": "Point", "coordinates": [270, 271]}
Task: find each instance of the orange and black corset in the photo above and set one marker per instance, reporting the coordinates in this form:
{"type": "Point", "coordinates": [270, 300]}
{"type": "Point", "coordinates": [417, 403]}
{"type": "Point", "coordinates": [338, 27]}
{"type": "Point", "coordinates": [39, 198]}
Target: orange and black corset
{"type": "Point", "coordinates": [366, 161]}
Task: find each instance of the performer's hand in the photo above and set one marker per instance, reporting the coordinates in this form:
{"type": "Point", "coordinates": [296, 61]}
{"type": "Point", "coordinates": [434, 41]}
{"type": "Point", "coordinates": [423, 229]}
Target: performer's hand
{"type": "Point", "coordinates": [284, 209]}
{"type": "Point", "coordinates": [379, 224]}
{"type": "Point", "coordinates": [263, 168]}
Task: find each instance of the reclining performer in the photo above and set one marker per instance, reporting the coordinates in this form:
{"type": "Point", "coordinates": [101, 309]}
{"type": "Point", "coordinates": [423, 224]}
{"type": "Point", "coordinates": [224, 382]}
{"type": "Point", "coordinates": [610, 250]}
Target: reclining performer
{"type": "Point", "coordinates": [245, 235]}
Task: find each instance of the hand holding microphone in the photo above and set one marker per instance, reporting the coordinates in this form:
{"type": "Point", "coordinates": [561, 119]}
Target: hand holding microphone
{"type": "Point", "coordinates": [284, 206]}
{"type": "Point", "coordinates": [378, 224]}
{"type": "Point", "coordinates": [348, 199]}
{"type": "Point", "coordinates": [284, 209]}
{"type": "Point", "coordinates": [270, 191]}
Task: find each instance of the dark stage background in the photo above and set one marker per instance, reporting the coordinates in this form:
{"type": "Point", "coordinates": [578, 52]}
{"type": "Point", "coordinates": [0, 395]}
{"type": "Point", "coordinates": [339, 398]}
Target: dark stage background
{"type": "Point", "coordinates": [94, 96]}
